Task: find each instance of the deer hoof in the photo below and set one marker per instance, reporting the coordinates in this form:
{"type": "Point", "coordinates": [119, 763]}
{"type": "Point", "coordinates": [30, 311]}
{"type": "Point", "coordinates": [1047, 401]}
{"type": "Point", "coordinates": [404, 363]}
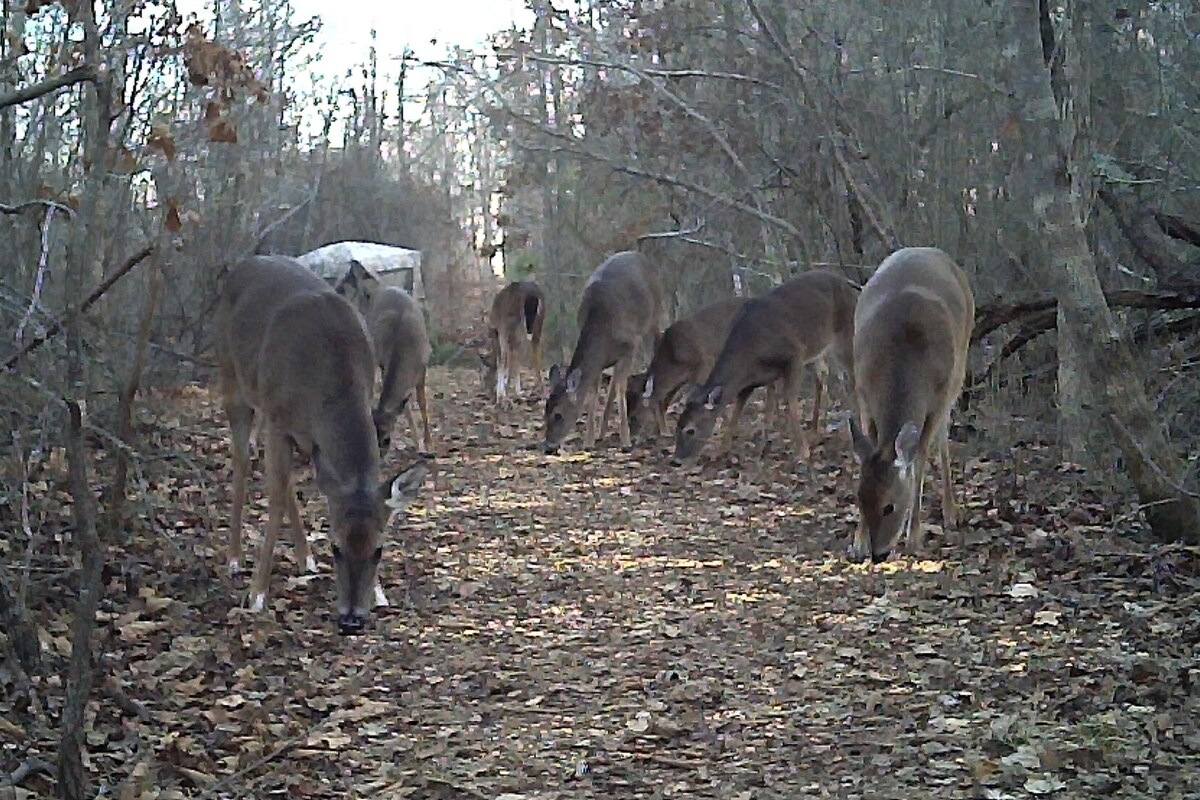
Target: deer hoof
{"type": "Point", "coordinates": [381, 600]}
{"type": "Point", "coordinates": [257, 601]}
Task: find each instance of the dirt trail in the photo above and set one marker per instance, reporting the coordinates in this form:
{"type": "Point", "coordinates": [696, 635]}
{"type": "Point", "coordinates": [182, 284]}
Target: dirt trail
{"type": "Point", "coordinates": [602, 625]}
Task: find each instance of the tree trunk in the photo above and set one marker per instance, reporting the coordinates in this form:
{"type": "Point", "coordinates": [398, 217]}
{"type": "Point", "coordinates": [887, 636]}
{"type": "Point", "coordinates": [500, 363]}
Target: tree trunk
{"type": "Point", "coordinates": [84, 254]}
{"type": "Point", "coordinates": [1040, 181]}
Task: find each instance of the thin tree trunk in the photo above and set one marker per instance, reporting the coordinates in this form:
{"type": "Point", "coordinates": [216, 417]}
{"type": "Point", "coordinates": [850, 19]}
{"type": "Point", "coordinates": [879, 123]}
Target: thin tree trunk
{"type": "Point", "coordinates": [1040, 181]}
{"type": "Point", "coordinates": [86, 248]}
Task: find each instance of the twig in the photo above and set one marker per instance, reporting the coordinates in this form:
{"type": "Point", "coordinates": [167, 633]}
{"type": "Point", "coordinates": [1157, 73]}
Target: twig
{"type": "Point", "coordinates": [32, 766]}
{"type": "Point", "coordinates": [77, 75]}
{"type": "Point", "coordinates": [1133, 443]}
{"type": "Point", "coordinates": [260, 762]}
{"type": "Point", "coordinates": [682, 234]}
{"type": "Point", "coordinates": [40, 278]}
{"type": "Point", "coordinates": [28, 204]}
{"type": "Point", "coordinates": [88, 302]}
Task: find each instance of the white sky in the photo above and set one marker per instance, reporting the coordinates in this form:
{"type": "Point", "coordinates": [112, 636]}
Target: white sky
{"type": "Point", "coordinates": [345, 35]}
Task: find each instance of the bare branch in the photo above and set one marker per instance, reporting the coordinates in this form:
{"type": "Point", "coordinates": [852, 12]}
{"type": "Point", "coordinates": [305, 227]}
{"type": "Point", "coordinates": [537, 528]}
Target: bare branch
{"type": "Point", "coordinates": [639, 71]}
{"type": "Point", "coordinates": [78, 75]}
{"type": "Point", "coordinates": [28, 204]}
{"type": "Point", "coordinates": [91, 299]}
{"type": "Point", "coordinates": [681, 234]}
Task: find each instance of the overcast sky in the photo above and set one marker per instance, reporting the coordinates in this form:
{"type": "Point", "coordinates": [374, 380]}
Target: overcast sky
{"type": "Point", "coordinates": [346, 32]}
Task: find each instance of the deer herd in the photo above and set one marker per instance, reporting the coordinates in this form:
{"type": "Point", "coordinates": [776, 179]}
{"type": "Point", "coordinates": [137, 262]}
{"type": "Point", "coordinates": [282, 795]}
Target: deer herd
{"type": "Point", "coordinates": [302, 357]}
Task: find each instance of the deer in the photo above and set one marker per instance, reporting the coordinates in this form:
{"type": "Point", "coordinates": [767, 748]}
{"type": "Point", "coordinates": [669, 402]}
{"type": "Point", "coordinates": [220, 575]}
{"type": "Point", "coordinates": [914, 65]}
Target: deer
{"type": "Point", "coordinates": [622, 308]}
{"type": "Point", "coordinates": [684, 355]}
{"type": "Point", "coordinates": [290, 350]}
{"type": "Point", "coordinates": [518, 310]}
{"type": "Point", "coordinates": [772, 338]}
{"type": "Point", "coordinates": [912, 331]}
{"type": "Point", "coordinates": [397, 328]}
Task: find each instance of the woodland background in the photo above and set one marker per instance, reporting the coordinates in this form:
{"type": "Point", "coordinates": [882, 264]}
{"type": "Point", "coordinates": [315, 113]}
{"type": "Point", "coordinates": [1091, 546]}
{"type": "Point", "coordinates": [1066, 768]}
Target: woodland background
{"type": "Point", "coordinates": [1052, 148]}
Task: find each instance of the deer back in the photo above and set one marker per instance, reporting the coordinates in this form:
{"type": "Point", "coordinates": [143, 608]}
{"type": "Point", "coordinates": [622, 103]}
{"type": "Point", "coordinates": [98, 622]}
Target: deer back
{"type": "Point", "coordinates": [622, 302]}
{"type": "Point", "coordinates": [798, 321]}
{"type": "Point", "coordinates": [301, 355]}
{"type": "Point", "coordinates": [402, 348]}
{"type": "Point", "coordinates": [689, 347]}
{"type": "Point", "coordinates": [912, 329]}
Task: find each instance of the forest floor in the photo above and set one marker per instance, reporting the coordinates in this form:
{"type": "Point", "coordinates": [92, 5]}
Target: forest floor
{"type": "Point", "coordinates": [600, 624]}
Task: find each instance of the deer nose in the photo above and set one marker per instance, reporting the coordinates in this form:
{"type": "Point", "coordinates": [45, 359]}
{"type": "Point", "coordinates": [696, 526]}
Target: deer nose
{"type": "Point", "coordinates": [549, 449]}
{"type": "Point", "coordinates": [878, 558]}
{"type": "Point", "coordinates": [676, 461]}
{"type": "Point", "coordinates": [350, 624]}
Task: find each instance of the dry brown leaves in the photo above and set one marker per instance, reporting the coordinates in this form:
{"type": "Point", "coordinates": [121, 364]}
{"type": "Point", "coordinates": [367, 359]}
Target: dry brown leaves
{"type": "Point", "coordinates": [602, 625]}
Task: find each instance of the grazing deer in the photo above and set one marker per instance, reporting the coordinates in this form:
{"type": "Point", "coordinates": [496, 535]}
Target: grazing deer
{"type": "Point", "coordinates": [684, 355]}
{"type": "Point", "coordinates": [622, 307]}
{"type": "Point", "coordinates": [772, 338]}
{"type": "Point", "coordinates": [518, 310]}
{"type": "Point", "coordinates": [912, 329]}
{"type": "Point", "coordinates": [291, 350]}
{"type": "Point", "coordinates": [402, 349]}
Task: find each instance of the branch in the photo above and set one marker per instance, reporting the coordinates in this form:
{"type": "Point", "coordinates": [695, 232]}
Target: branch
{"type": "Point", "coordinates": [265, 232]}
{"type": "Point", "coordinates": [28, 204]}
{"type": "Point", "coordinates": [672, 234]}
{"type": "Point", "coordinates": [992, 316]}
{"type": "Point", "coordinates": [1178, 228]}
{"type": "Point", "coordinates": [641, 72]}
{"type": "Point", "coordinates": [1139, 225]}
{"type": "Point", "coordinates": [78, 75]}
{"type": "Point", "coordinates": [91, 299]}
{"type": "Point", "coordinates": [1040, 315]}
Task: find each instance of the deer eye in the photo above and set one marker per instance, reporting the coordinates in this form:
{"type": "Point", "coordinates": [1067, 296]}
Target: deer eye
{"type": "Point", "coordinates": [558, 416]}
{"type": "Point", "coordinates": [689, 431]}
{"type": "Point", "coordinates": [889, 509]}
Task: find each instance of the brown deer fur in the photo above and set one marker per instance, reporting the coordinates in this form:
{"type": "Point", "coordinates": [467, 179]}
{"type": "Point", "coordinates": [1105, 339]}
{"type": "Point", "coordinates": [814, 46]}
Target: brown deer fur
{"type": "Point", "coordinates": [912, 330]}
{"type": "Point", "coordinates": [518, 311]}
{"type": "Point", "coordinates": [621, 308]}
{"type": "Point", "coordinates": [772, 338]}
{"type": "Point", "coordinates": [291, 350]}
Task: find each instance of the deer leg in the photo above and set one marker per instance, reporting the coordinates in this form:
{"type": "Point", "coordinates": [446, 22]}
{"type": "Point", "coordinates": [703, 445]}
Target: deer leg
{"type": "Point", "coordinates": [540, 377]}
{"type": "Point", "coordinates": [799, 436]}
{"type": "Point", "coordinates": [304, 556]}
{"type": "Point", "coordinates": [423, 402]}
{"type": "Point", "coordinates": [820, 379]}
{"type": "Point", "coordinates": [502, 359]}
{"type": "Point", "coordinates": [278, 471]}
{"type": "Point", "coordinates": [608, 403]}
{"type": "Point", "coordinates": [770, 406]}
{"type": "Point", "coordinates": [660, 414]}
{"type": "Point", "coordinates": [914, 535]}
{"type": "Point", "coordinates": [949, 510]}
{"type": "Point", "coordinates": [241, 426]}
{"type": "Point", "coordinates": [735, 417]}
{"type": "Point", "coordinates": [589, 407]}
{"type": "Point", "coordinates": [620, 382]}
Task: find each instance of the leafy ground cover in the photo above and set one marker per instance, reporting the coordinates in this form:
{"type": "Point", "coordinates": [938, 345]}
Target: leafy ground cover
{"type": "Point", "coordinates": [604, 625]}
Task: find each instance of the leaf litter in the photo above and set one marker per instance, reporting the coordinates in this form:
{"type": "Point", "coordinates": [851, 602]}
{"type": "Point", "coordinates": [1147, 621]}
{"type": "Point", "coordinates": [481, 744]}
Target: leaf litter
{"type": "Point", "coordinates": [603, 624]}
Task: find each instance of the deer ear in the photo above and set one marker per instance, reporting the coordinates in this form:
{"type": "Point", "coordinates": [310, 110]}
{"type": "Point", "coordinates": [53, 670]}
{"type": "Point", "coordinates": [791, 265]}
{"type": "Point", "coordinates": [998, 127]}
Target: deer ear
{"type": "Point", "coordinates": [574, 378]}
{"type": "Point", "coordinates": [345, 284]}
{"type": "Point", "coordinates": [862, 445]}
{"type": "Point", "coordinates": [713, 398]}
{"type": "Point", "coordinates": [907, 441]}
{"type": "Point", "coordinates": [402, 489]}
{"type": "Point", "coordinates": [648, 392]}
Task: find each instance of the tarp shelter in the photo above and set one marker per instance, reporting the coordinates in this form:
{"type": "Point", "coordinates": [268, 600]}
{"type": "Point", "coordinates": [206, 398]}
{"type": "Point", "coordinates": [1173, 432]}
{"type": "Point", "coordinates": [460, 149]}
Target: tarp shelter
{"type": "Point", "coordinates": [394, 266]}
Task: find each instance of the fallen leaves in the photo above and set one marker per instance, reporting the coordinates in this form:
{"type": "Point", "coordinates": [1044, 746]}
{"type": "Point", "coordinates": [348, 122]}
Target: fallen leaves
{"type": "Point", "coordinates": [601, 624]}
